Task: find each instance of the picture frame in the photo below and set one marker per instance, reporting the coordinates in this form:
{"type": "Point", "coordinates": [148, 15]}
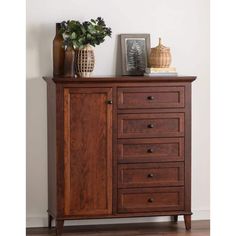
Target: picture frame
{"type": "Point", "coordinates": [135, 50]}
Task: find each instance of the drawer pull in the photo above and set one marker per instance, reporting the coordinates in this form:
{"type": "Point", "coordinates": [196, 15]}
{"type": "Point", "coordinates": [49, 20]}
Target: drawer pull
{"type": "Point", "coordinates": [150, 175]}
{"type": "Point", "coordinates": [150, 200]}
{"type": "Point", "coordinates": [150, 150]}
{"type": "Point", "coordinates": [109, 101]}
{"type": "Point", "coordinates": [150, 98]}
{"type": "Point", "coordinates": [150, 126]}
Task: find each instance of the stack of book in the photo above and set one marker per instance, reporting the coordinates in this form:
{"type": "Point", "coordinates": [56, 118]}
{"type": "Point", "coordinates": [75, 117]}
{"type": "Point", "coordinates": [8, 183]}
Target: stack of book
{"type": "Point", "coordinates": [153, 72]}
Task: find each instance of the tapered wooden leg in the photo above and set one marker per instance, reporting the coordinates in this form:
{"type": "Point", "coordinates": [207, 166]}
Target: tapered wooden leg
{"type": "Point", "coordinates": [174, 218]}
{"type": "Point", "coordinates": [59, 227]}
{"type": "Point", "coordinates": [49, 221]}
{"type": "Point", "coordinates": [187, 221]}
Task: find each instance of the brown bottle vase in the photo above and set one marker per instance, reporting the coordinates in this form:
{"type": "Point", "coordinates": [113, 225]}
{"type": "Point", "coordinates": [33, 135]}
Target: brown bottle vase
{"type": "Point", "coordinates": [69, 65]}
{"type": "Point", "coordinates": [58, 53]}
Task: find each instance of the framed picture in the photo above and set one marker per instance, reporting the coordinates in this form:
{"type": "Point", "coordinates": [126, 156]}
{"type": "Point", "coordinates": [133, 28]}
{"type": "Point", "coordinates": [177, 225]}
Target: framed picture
{"type": "Point", "coordinates": [135, 49]}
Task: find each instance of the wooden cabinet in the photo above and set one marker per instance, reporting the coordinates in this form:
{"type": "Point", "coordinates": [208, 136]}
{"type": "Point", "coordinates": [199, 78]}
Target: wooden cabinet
{"type": "Point", "coordinates": [119, 147]}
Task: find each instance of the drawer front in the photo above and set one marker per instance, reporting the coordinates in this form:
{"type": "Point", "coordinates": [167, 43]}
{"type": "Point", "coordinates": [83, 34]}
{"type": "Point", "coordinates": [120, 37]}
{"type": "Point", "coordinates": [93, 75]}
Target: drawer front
{"type": "Point", "coordinates": [151, 97]}
{"type": "Point", "coordinates": [150, 199]}
{"type": "Point", "coordinates": [150, 125]}
{"type": "Point", "coordinates": [150, 150]}
{"type": "Point", "coordinates": [150, 175]}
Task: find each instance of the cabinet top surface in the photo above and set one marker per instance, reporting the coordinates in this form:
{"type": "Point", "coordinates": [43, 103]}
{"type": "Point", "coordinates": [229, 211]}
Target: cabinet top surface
{"type": "Point", "coordinates": [120, 79]}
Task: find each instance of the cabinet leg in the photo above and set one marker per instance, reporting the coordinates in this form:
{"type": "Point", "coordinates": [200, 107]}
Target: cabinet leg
{"type": "Point", "coordinates": [49, 221]}
{"type": "Point", "coordinates": [59, 227]}
{"type": "Point", "coordinates": [174, 218]}
{"type": "Point", "coordinates": [187, 221]}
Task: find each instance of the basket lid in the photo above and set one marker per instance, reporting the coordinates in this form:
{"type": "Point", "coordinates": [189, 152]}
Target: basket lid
{"type": "Point", "coordinates": [161, 47]}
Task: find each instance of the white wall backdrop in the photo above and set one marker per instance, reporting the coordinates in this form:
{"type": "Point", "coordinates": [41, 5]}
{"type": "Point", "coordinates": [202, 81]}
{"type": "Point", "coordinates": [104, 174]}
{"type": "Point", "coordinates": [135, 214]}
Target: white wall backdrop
{"type": "Point", "coordinates": [183, 26]}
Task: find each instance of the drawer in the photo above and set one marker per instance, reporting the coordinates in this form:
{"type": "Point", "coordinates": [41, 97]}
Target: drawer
{"type": "Point", "coordinates": [151, 97]}
{"type": "Point", "coordinates": [150, 175]}
{"type": "Point", "coordinates": [150, 125]}
{"type": "Point", "coordinates": [150, 199]}
{"type": "Point", "coordinates": [150, 150]}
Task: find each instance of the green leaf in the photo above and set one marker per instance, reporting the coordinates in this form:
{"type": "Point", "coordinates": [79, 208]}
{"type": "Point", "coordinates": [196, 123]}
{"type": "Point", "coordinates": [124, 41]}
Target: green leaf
{"type": "Point", "coordinates": [89, 36]}
{"type": "Point", "coordinates": [80, 40]}
{"type": "Point", "coordinates": [73, 35]}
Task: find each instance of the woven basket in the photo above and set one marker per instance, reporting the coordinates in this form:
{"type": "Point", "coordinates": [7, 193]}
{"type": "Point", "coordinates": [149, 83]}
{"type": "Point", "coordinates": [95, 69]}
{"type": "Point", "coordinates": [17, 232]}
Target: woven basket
{"type": "Point", "coordinates": [85, 61]}
{"type": "Point", "coordinates": [160, 56]}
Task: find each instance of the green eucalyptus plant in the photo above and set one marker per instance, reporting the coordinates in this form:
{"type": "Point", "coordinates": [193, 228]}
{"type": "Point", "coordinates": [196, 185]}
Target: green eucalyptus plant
{"type": "Point", "coordinates": [78, 34]}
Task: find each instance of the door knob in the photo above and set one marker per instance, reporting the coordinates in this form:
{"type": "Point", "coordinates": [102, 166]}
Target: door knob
{"type": "Point", "coordinates": [150, 175]}
{"type": "Point", "coordinates": [151, 126]}
{"type": "Point", "coordinates": [150, 150]}
{"type": "Point", "coordinates": [150, 200]}
{"type": "Point", "coordinates": [150, 98]}
{"type": "Point", "coordinates": [109, 101]}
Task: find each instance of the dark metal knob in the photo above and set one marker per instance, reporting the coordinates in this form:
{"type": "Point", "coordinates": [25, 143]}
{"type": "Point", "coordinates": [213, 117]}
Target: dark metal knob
{"type": "Point", "coordinates": [109, 101]}
{"type": "Point", "coordinates": [150, 150]}
{"type": "Point", "coordinates": [150, 175]}
{"type": "Point", "coordinates": [150, 200]}
{"type": "Point", "coordinates": [150, 98]}
{"type": "Point", "coordinates": [150, 126]}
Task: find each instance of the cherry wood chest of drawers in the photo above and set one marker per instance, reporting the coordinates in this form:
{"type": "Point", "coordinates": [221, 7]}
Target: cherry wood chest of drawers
{"type": "Point", "coordinates": [119, 147]}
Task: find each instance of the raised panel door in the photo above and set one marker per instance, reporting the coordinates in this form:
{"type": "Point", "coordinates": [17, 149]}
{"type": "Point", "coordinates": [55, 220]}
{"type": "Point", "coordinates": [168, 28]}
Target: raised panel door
{"type": "Point", "coordinates": [87, 151]}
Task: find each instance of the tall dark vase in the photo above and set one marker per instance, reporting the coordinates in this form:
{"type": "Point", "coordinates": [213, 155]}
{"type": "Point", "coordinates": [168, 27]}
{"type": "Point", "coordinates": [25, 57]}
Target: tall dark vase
{"type": "Point", "coordinates": [69, 65]}
{"type": "Point", "coordinates": [58, 53]}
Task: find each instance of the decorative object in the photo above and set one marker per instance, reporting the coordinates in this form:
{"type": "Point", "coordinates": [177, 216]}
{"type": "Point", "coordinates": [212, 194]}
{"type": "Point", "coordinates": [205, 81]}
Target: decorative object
{"type": "Point", "coordinates": [161, 74]}
{"type": "Point", "coordinates": [135, 49]}
{"type": "Point", "coordinates": [113, 159]}
{"type": "Point", "coordinates": [58, 52]}
{"type": "Point", "coordinates": [160, 56]}
{"type": "Point", "coordinates": [167, 74]}
{"type": "Point", "coordinates": [69, 65]}
{"type": "Point", "coordinates": [86, 61]}
{"type": "Point", "coordinates": [82, 36]}
{"type": "Point", "coordinates": [153, 72]}
{"type": "Point", "coordinates": [154, 69]}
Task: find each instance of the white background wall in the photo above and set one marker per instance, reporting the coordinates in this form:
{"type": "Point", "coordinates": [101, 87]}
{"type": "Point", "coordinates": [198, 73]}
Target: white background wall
{"type": "Point", "coordinates": [183, 26]}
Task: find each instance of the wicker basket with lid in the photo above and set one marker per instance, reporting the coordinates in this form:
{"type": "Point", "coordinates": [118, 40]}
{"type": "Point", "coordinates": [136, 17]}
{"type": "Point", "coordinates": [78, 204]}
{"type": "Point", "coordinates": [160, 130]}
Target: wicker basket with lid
{"type": "Point", "coordinates": [160, 56]}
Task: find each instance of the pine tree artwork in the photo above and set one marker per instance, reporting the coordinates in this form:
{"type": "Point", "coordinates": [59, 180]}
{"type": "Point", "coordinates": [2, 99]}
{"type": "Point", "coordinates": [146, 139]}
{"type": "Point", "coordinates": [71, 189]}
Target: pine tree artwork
{"type": "Point", "coordinates": [135, 49]}
{"type": "Point", "coordinates": [136, 56]}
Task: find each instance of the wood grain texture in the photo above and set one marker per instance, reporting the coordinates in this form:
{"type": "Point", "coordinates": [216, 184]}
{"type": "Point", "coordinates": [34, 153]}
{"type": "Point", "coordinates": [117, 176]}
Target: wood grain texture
{"type": "Point", "coordinates": [59, 227]}
{"type": "Point", "coordinates": [100, 155]}
{"type": "Point", "coordinates": [150, 175]}
{"type": "Point", "coordinates": [114, 151]}
{"type": "Point", "coordinates": [150, 125]}
{"type": "Point", "coordinates": [150, 150]}
{"type": "Point", "coordinates": [187, 221]}
{"type": "Point", "coordinates": [199, 228]}
{"type": "Point", "coordinates": [59, 151]}
{"type": "Point", "coordinates": [150, 97]}
{"type": "Point", "coordinates": [150, 199]}
{"type": "Point", "coordinates": [52, 163]}
{"type": "Point", "coordinates": [126, 215]}
{"type": "Point", "coordinates": [88, 160]}
{"type": "Point", "coordinates": [123, 79]}
{"type": "Point", "coordinates": [187, 148]}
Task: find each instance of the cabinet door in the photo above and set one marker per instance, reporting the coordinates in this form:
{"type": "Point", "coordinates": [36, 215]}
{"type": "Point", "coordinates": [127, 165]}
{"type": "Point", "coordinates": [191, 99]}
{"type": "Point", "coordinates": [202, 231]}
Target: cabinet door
{"type": "Point", "coordinates": [87, 151]}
